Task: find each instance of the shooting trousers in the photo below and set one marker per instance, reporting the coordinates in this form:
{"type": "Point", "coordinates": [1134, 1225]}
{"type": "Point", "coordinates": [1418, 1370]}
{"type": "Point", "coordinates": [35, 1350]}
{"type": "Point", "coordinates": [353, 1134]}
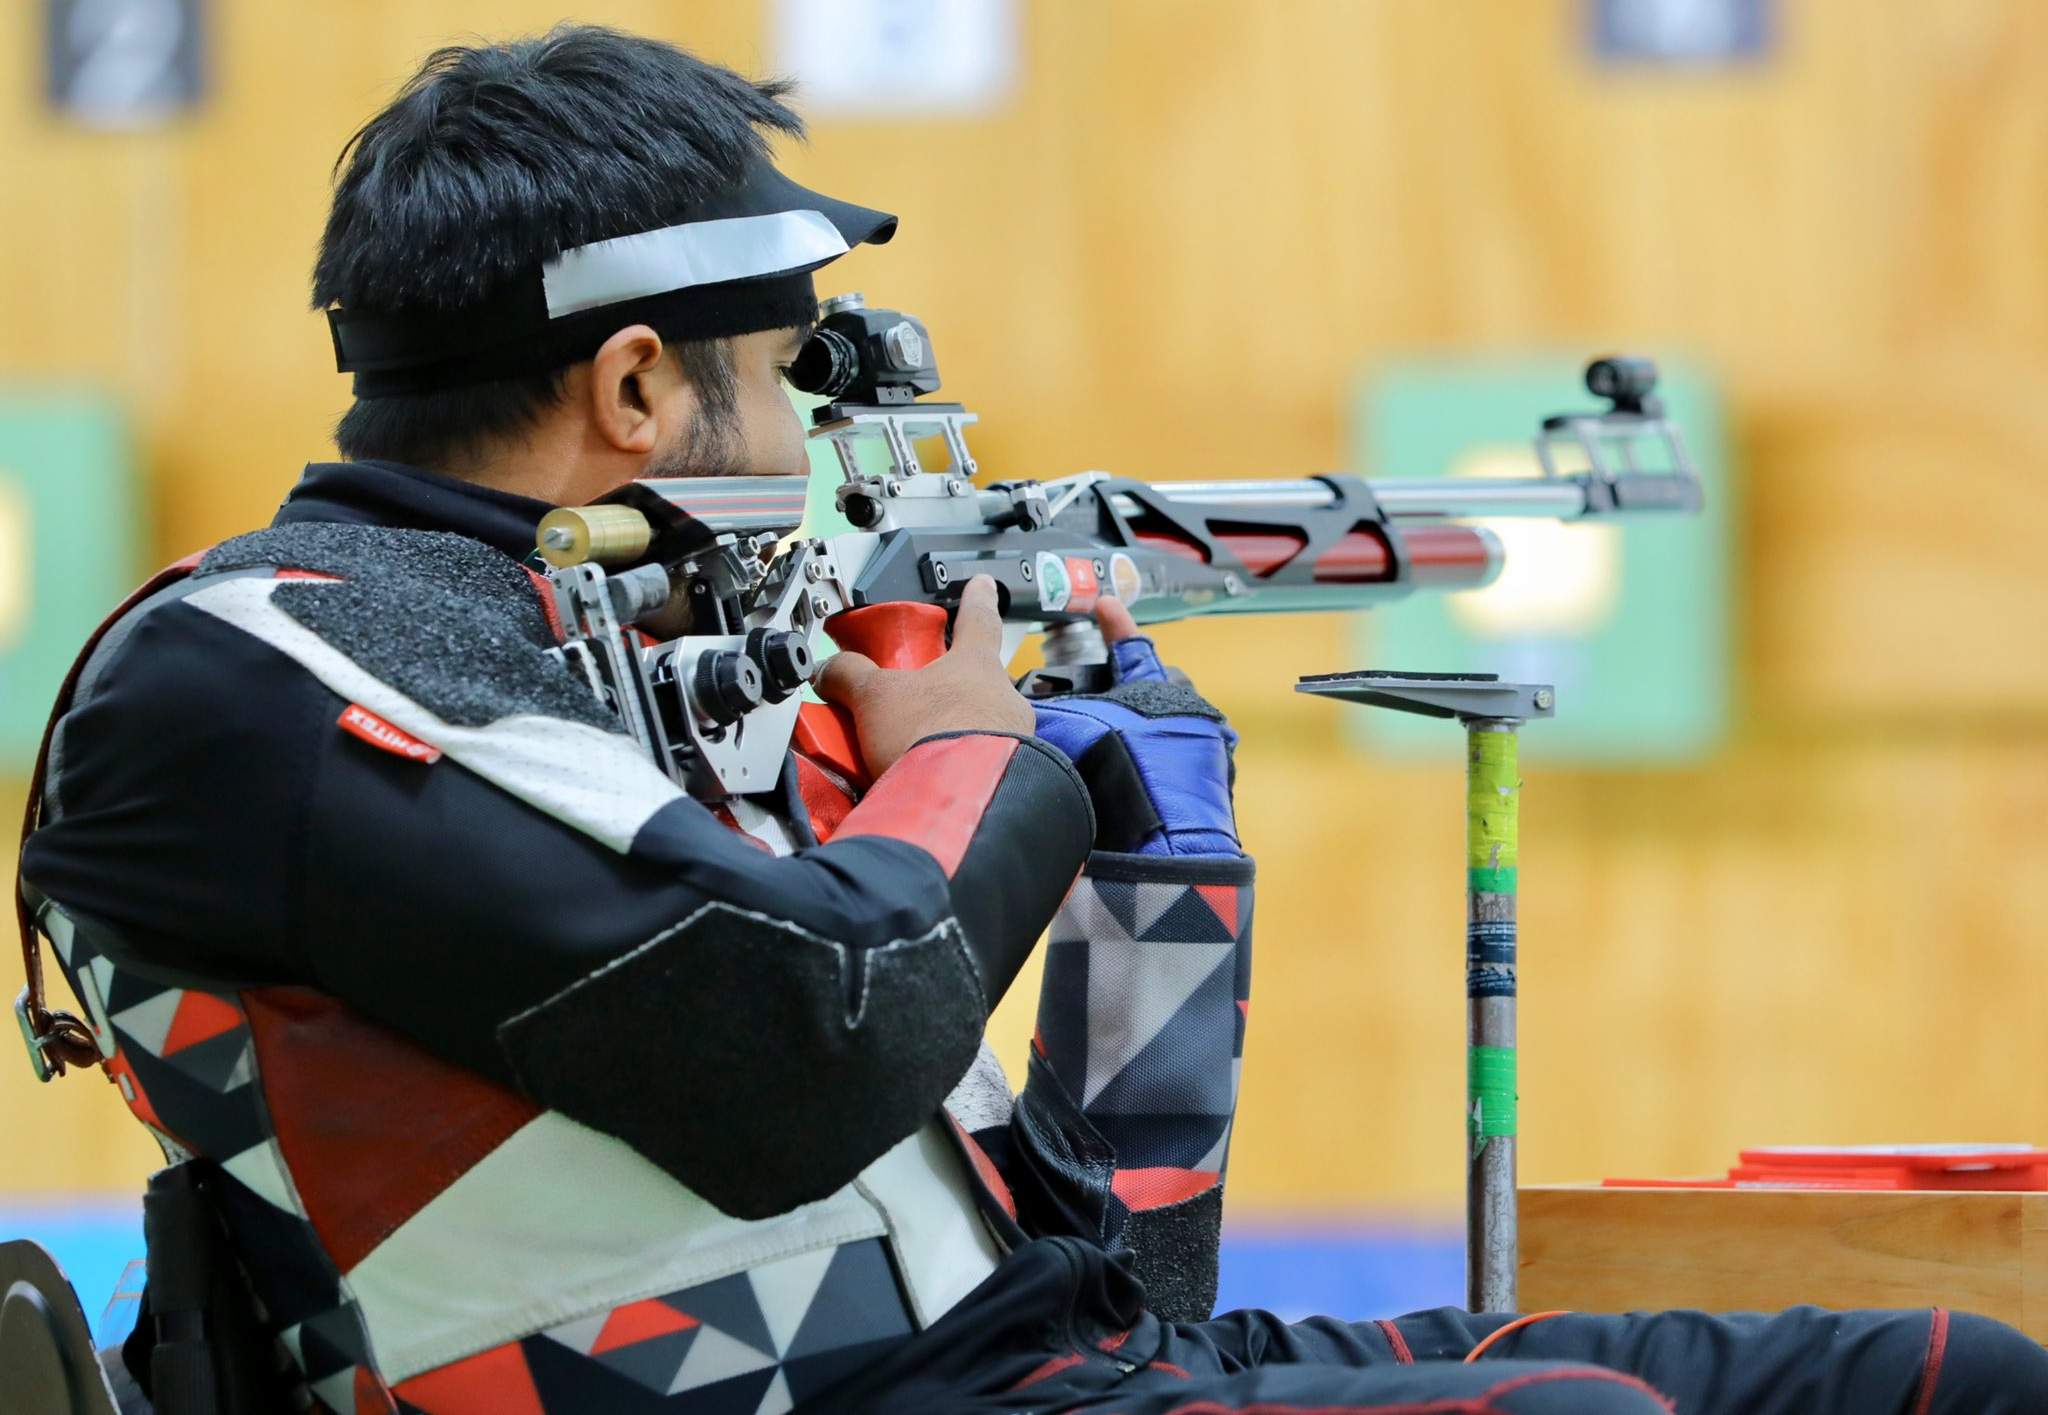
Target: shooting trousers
{"type": "Point", "coordinates": [1060, 1328]}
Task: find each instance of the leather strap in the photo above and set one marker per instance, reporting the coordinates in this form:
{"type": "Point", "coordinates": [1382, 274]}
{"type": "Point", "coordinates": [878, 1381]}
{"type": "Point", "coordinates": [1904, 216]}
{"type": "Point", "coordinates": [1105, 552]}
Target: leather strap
{"type": "Point", "coordinates": [58, 1039]}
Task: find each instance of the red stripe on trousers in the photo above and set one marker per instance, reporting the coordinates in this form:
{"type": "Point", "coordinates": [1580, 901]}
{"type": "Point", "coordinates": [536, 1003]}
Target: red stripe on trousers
{"type": "Point", "coordinates": [1478, 1405]}
{"type": "Point", "coordinates": [1051, 1368]}
{"type": "Point", "coordinates": [1930, 1369]}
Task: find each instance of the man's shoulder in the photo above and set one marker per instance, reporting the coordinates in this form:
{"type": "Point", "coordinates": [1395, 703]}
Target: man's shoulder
{"type": "Point", "coordinates": [453, 624]}
{"type": "Point", "coordinates": [454, 566]}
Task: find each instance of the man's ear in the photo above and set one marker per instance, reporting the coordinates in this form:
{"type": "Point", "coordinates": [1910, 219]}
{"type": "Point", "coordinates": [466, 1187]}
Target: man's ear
{"type": "Point", "coordinates": [632, 387]}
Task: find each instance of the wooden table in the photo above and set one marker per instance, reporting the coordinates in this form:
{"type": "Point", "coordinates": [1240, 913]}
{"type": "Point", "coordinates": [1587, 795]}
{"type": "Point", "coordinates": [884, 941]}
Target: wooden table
{"type": "Point", "coordinates": [1590, 1249]}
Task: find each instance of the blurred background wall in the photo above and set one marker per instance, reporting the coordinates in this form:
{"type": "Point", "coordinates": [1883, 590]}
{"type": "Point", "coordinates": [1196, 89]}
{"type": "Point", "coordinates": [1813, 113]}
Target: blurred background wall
{"type": "Point", "coordinates": [1169, 252]}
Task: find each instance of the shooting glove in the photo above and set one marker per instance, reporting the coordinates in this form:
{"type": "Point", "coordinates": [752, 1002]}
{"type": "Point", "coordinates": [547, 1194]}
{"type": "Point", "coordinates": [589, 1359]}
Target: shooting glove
{"type": "Point", "coordinates": [1156, 757]}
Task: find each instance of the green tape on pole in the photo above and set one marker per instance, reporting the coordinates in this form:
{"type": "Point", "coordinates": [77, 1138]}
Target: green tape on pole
{"type": "Point", "coordinates": [1490, 881]}
{"type": "Point", "coordinates": [1493, 786]}
{"type": "Point", "coordinates": [1490, 1091]}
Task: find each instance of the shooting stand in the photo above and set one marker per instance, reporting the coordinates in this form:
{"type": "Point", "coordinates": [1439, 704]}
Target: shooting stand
{"type": "Point", "coordinates": [1492, 713]}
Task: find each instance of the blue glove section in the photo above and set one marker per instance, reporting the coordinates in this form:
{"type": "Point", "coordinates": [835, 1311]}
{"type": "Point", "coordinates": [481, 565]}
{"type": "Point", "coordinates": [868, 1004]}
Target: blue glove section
{"type": "Point", "coordinates": [1155, 755]}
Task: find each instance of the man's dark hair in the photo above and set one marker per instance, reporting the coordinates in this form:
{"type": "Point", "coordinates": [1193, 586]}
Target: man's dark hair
{"type": "Point", "coordinates": [496, 158]}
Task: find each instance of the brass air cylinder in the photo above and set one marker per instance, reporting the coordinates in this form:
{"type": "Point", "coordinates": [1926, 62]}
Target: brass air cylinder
{"type": "Point", "coordinates": [609, 535]}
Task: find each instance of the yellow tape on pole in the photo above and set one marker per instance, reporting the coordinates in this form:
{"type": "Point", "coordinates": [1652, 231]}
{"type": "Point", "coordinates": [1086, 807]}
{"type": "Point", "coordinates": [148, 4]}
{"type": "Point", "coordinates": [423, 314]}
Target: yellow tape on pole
{"type": "Point", "coordinates": [1493, 786]}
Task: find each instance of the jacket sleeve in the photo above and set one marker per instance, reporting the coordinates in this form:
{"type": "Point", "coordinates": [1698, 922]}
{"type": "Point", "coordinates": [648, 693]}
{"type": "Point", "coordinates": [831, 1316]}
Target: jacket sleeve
{"type": "Point", "coordinates": [280, 783]}
{"type": "Point", "coordinates": [1140, 1034]}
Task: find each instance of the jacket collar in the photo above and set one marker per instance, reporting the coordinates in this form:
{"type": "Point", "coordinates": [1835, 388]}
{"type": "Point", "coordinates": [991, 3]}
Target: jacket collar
{"type": "Point", "coordinates": [413, 499]}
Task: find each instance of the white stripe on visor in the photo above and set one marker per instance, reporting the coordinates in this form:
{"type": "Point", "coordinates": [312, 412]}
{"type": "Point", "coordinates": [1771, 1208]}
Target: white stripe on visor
{"type": "Point", "coordinates": [678, 257]}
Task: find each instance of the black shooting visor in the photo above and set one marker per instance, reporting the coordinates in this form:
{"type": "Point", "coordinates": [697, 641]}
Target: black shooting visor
{"type": "Point", "coordinates": [740, 264]}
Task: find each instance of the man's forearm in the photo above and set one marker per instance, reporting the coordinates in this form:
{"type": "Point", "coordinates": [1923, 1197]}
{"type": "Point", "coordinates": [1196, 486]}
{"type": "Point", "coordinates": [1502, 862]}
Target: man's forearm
{"type": "Point", "coordinates": [1141, 1022]}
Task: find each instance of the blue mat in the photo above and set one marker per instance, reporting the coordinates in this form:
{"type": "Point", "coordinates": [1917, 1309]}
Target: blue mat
{"type": "Point", "coordinates": [1355, 1268]}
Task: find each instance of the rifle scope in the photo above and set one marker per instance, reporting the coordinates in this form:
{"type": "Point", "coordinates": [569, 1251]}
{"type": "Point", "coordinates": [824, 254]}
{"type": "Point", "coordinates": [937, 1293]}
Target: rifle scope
{"type": "Point", "coordinates": [861, 356]}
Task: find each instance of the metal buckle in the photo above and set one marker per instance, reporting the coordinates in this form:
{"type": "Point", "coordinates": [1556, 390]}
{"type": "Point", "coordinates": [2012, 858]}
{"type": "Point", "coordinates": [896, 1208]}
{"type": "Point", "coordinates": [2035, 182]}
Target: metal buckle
{"type": "Point", "coordinates": [37, 1057]}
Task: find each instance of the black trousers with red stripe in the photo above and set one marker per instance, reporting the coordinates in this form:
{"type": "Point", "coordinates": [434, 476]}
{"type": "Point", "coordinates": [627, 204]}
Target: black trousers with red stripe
{"type": "Point", "coordinates": [1061, 1328]}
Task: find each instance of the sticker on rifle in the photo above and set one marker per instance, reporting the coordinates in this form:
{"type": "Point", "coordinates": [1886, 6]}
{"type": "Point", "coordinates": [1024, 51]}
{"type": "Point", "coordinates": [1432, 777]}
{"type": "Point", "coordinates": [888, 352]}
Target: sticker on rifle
{"type": "Point", "coordinates": [359, 721]}
{"type": "Point", "coordinates": [1124, 580]}
{"type": "Point", "coordinates": [1087, 585]}
{"type": "Point", "coordinates": [1054, 590]}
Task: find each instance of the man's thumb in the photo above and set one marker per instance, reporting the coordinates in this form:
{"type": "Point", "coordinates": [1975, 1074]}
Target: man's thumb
{"type": "Point", "coordinates": [843, 676]}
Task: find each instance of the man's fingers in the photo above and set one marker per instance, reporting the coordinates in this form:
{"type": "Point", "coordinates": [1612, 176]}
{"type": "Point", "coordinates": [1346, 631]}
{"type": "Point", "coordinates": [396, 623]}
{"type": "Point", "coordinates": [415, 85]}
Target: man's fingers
{"type": "Point", "coordinates": [1114, 619]}
{"type": "Point", "coordinates": [843, 676]}
{"type": "Point", "coordinates": [978, 626]}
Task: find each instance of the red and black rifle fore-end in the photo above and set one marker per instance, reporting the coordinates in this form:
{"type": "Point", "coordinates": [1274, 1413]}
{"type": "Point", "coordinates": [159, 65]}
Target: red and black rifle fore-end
{"type": "Point", "coordinates": [1245, 547]}
{"type": "Point", "coordinates": [1056, 551]}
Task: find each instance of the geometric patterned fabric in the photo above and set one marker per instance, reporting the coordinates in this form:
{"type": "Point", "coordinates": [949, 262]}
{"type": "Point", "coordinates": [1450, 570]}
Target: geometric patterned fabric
{"type": "Point", "coordinates": [185, 1062]}
{"type": "Point", "coordinates": [750, 1344]}
{"type": "Point", "coordinates": [753, 1343]}
{"type": "Point", "coordinates": [1142, 1016]}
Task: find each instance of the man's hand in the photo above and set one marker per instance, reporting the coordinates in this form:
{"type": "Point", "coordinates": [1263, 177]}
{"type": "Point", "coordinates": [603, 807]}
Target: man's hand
{"type": "Point", "coordinates": [966, 689]}
{"type": "Point", "coordinates": [1155, 755]}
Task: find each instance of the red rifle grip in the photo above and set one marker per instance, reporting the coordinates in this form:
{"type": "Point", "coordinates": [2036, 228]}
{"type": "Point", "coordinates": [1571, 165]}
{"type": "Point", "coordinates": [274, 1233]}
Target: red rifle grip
{"type": "Point", "coordinates": [825, 734]}
{"type": "Point", "coordinates": [903, 635]}
{"type": "Point", "coordinates": [894, 636]}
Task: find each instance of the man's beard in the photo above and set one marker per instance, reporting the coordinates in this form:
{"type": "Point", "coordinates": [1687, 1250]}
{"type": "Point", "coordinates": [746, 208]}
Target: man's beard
{"type": "Point", "coordinates": [710, 447]}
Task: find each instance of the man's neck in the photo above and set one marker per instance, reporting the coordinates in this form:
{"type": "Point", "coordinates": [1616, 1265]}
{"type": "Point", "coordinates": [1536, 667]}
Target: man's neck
{"type": "Point", "coordinates": [552, 463]}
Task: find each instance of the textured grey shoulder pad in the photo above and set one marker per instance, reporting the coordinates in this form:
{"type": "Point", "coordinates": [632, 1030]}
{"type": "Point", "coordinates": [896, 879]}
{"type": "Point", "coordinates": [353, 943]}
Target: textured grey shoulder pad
{"type": "Point", "coordinates": [453, 624]}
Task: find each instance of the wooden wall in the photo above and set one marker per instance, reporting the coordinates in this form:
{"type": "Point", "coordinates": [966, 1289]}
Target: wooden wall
{"type": "Point", "coordinates": [1170, 257]}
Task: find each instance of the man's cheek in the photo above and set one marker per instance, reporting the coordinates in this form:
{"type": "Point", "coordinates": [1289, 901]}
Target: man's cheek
{"type": "Point", "coordinates": [777, 436]}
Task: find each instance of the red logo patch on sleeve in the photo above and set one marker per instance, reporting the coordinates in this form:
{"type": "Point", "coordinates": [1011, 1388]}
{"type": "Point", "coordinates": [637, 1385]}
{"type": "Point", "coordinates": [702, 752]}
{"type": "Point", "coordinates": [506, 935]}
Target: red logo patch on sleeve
{"type": "Point", "coordinates": [359, 721]}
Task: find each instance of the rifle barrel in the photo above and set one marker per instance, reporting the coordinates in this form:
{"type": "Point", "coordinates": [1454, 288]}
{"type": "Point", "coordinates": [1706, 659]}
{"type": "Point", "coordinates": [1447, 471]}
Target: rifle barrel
{"type": "Point", "coordinates": [1419, 498]}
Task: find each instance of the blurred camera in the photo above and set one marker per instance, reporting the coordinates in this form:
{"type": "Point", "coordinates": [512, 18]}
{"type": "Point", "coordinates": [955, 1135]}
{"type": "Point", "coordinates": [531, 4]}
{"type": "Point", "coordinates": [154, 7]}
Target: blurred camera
{"type": "Point", "coordinates": [1626, 381]}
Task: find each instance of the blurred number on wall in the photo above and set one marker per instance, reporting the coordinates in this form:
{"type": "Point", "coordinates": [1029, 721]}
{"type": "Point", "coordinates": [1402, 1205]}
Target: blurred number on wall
{"type": "Point", "coordinates": [898, 58]}
{"type": "Point", "coordinates": [124, 63]}
{"type": "Point", "coordinates": [1700, 32]}
{"type": "Point", "coordinates": [1628, 619]}
{"type": "Point", "coordinates": [69, 532]}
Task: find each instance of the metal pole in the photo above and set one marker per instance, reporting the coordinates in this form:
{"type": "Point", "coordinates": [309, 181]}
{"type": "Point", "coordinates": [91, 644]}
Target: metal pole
{"type": "Point", "coordinates": [1493, 788]}
{"type": "Point", "coordinates": [1492, 713]}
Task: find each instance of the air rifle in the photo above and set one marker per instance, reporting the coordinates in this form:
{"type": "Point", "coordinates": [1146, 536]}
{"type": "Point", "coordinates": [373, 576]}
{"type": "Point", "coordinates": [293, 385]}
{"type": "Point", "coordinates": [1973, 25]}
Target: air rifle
{"type": "Point", "coordinates": [695, 617]}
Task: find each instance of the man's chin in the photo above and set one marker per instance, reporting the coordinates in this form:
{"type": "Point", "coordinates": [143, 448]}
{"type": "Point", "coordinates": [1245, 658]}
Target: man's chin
{"type": "Point", "coordinates": [700, 457]}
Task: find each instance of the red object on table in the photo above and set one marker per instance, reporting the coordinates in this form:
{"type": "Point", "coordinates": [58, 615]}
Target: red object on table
{"type": "Point", "coordinates": [1874, 1167]}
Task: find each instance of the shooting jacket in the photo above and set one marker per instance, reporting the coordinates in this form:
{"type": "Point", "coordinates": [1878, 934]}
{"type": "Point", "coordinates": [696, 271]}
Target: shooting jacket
{"type": "Point", "coordinates": [539, 1086]}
